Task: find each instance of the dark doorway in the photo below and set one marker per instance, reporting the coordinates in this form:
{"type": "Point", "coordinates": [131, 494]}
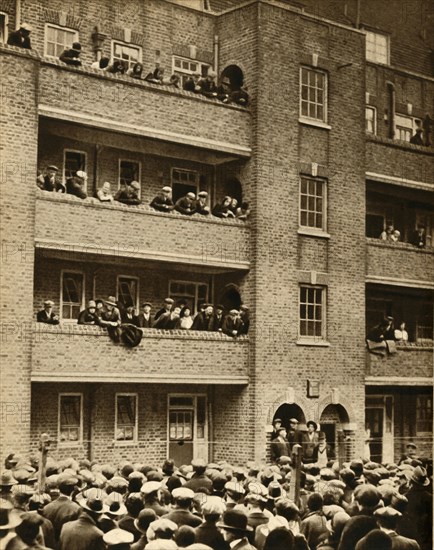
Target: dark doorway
{"type": "Point", "coordinates": [232, 188]}
{"type": "Point", "coordinates": [231, 299]}
{"type": "Point", "coordinates": [234, 75]}
{"type": "Point", "coordinates": [287, 411]}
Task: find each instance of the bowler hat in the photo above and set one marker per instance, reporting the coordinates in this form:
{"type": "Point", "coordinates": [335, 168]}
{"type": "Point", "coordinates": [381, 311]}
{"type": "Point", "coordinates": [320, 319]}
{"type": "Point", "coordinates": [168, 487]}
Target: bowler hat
{"type": "Point", "coordinates": [234, 520]}
{"type": "Point", "coordinates": [9, 518]}
{"type": "Point", "coordinates": [420, 476]}
{"type": "Point", "coordinates": [144, 519]}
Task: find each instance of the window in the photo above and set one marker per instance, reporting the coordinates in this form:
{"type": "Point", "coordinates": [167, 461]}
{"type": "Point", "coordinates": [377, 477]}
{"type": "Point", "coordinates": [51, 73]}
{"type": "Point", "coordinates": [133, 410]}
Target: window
{"type": "Point", "coordinates": [126, 417]}
{"type": "Point", "coordinates": [312, 312]}
{"type": "Point", "coordinates": [73, 161]}
{"type": "Point", "coordinates": [70, 418]}
{"type": "Point", "coordinates": [183, 181]}
{"type": "Point", "coordinates": [184, 67]}
{"type": "Point", "coordinates": [191, 293]}
{"type": "Point", "coordinates": [126, 52]}
{"type": "Point", "coordinates": [377, 47]}
{"type": "Point", "coordinates": [72, 296]}
{"type": "Point", "coordinates": [424, 414]}
{"type": "Point", "coordinates": [128, 290]}
{"type": "Point", "coordinates": [313, 94]}
{"type": "Point", "coordinates": [129, 170]}
{"type": "Point", "coordinates": [3, 28]}
{"type": "Point", "coordinates": [371, 120]}
{"type": "Point", "coordinates": [313, 203]}
{"type": "Point", "coordinates": [405, 127]}
{"type": "Point", "coordinates": [58, 39]}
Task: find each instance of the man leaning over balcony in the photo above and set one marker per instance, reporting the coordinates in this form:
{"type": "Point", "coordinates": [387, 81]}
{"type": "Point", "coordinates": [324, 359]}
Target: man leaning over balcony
{"type": "Point", "coordinates": [75, 185]}
{"type": "Point", "coordinates": [50, 181]}
{"type": "Point", "coordinates": [89, 316]}
{"type": "Point", "coordinates": [145, 319]}
{"type": "Point", "coordinates": [47, 315]}
{"type": "Point", "coordinates": [163, 201]}
{"type": "Point", "coordinates": [186, 205]}
{"type": "Point", "coordinates": [21, 37]}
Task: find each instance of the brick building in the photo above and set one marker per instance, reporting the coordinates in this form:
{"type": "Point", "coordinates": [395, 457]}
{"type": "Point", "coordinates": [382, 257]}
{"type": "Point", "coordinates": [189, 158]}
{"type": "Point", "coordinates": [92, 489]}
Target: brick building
{"type": "Point", "coordinates": [322, 154]}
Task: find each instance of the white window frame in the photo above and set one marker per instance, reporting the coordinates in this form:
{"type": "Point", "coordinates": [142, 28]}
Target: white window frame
{"type": "Point", "coordinates": [122, 442]}
{"type": "Point", "coordinates": [5, 29]}
{"type": "Point", "coordinates": [309, 228]}
{"type": "Point", "coordinates": [305, 337]}
{"type": "Point", "coordinates": [196, 283]}
{"type": "Point", "coordinates": [325, 95]}
{"type": "Point", "coordinates": [79, 442]}
{"type": "Point", "coordinates": [132, 277]}
{"type": "Point", "coordinates": [195, 172]}
{"type": "Point", "coordinates": [183, 73]}
{"type": "Point", "coordinates": [138, 162]}
{"type": "Point", "coordinates": [374, 119]}
{"type": "Point", "coordinates": [374, 58]}
{"type": "Point", "coordinates": [126, 45]}
{"type": "Point", "coordinates": [57, 27]}
{"type": "Point", "coordinates": [65, 151]}
{"type": "Point", "coordinates": [413, 124]}
{"type": "Point", "coordinates": [83, 293]}
{"type": "Point", "coordinates": [426, 396]}
{"type": "Point", "coordinates": [193, 407]}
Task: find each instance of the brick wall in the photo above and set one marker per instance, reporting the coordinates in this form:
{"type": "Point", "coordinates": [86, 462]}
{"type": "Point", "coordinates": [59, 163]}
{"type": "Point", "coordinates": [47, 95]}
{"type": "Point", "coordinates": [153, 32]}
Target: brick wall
{"type": "Point", "coordinates": [411, 362]}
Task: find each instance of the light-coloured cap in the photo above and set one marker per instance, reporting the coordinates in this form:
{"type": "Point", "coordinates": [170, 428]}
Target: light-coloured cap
{"type": "Point", "coordinates": [81, 174]}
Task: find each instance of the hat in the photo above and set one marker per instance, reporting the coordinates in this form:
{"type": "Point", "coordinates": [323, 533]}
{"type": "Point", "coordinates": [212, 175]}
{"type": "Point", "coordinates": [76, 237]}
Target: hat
{"type": "Point", "coordinates": [7, 479]}
{"type": "Point", "coordinates": [168, 301]}
{"type": "Point", "coordinates": [150, 487]}
{"type": "Point", "coordinates": [191, 195]}
{"type": "Point", "coordinates": [26, 27]}
{"type": "Point", "coordinates": [244, 308]}
{"type": "Point", "coordinates": [117, 482]}
{"type": "Point", "coordinates": [118, 536]}
{"type": "Point", "coordinates": [198, 463]}
{"type": "Point", "coordinates": [111, 301]}
{"type": "Point", "coordinates": [52, 167]}
{"type": "Point", "coordinates": [49, 303]}
{"type": "Point", "coordinates": [135, 185]}
{"type": "Point", "coordinates": [81, 174]}
{"type": "Point", "coordinates": [202, 194]}
{"type": "Point", "coordinates": [95, 505]}
{"type": "Point", "coordinates": [166, 189]}
{"type": "Point", "coordinates": [163, 525]}
{"type": "Point", "coordinates": [234, 487]}
{"type": "Point", "coordinates": [213, 505]}
{"type": "Point", "coordinates": [9, 518]}
{"type": "Point", "coordinates": [367, 496]}
{"type": "Point", "coordinates": [162, 544]}
{"type": "Point", "coordinates": [387, 512]}
{"type": "Point", "coordinates": [312, 423]}
{"type": "Point", "coordinates": [212, 73]}
{"type": "Point", "coordinates": [66, 479]}
{"type": "Point", "coordinates": [420, 476]}
{"type": "Point", "coordinates": [146, 304]}
{"type": "Point", "coordinates": [116, 507]}
{"type": "Point", "coordinates": [182, 493]}
{"type": "Point", "coordinates": [76, 46]}
{"type": "Point", "coordinates": [233, 312]}
{"type": "Point", "coordinates": [153, 475]}
{"type": "Point", "coordinates": [234, 520]}
{"type": "Point", "coordinates": [411, 444]}
{"type": "Point", "coordinates": [293, 421]}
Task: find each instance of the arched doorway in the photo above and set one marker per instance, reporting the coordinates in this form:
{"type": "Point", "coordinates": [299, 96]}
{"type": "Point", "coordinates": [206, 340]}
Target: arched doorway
{"type": "Point", "coordinates": [232, 187]}
{"type": "Point", "coordinates": [287, 411]}
{"type": "Point", "coordinates": [333, 417]}
{"type": "Point", "coordinates": [231, 298]}
{"type": "Point", "coordinates": [234, 77]}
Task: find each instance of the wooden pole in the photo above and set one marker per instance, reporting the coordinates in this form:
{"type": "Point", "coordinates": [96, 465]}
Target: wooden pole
{"type": "Point", "coordinates": [341, 448]}
{"type": "Point", "coordinates": [44, 442]}
{"type": "Point", "coordinates": [294, 487]}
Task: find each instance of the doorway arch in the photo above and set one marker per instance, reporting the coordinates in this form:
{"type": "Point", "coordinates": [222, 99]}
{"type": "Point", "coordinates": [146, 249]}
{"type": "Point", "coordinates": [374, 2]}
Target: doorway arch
{"type": "Point", "coordinates": [334, 418]}
{"type": "Point", "coordinates": [232, 187]}
{"type": "Point", "coordinates": [234, 76]}
{"type": "Point", "coordinates": [231, 298]}
{"type": "Point", "coordinates": [287, 411]}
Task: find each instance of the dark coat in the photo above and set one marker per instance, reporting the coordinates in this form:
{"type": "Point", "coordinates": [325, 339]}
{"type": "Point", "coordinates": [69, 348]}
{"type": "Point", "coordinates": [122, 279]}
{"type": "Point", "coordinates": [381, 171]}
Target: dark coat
{"type": "Point", "coordinates": [198, 481]}
{"type": "Point", "coordinates": [42, 317]}
{"type": "Point", "coordinates": [81, 534]}
{"type": "Point", "coordinates": [294, 437]}
{"type": "Point", "coordinates": [159, 313]}
{"type": "Point", "coordinates": [329, 451]}
{"type": "Point", "coordinates": [218, 321]}
{"type": "Point", "coordinates": [203, 322]}
{"type": "Point", "coordinates": [71, 57]}
{"type": "Point", "coordinates": [184, 206]}
{"type": "Point", "coordinates": [88, 318]}
{"type": "Point", "coordinates": [48, 184]}
{"type": "Point", "coordinates": [140, 544]}
{"type": "Point", "coordinates": [162, 203]}
{"type": "Point", "coordinates": [133, 320]}
{"type": "Point", "coordinates": [127, 524]}
{"type": "Point", "coordinates": [128, 196]}
{"type": "Point", "coordinates": [145, 323]}
{"type": "Point", "coordinates": [189, 85]}
{"type": "Point", "coordinates": [166, 322]}
{"type": "Point", "coordinates": [313, 527]}
{"type": "Point", "coordinates": [355, 529]}
{"type": "Point", "coordinates": [158, 508]}
{"type": "Point", "coordinates": [279, 448]}
{"type": "Point", "coordinates": [209, 534]}
{"type": "Point", "coordinates": [309, 446]}
{"type": "Point", "coordinates": [231, 324]}
{"type": "Point", "coordinates": [61, 511]}
{"type": "Point", "coordinates": [183, 517]}
{"type": "Point", "coordinates": [17, 38]}
{"type": "Point", "coordinates": [418, 515]}
{"type": "Point", "coordinates": [403, 543]}
{"type": "Point", "coordinates": [74, 186]}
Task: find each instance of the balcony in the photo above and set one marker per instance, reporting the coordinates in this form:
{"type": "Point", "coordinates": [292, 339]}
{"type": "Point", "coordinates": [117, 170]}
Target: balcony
{"type": "Point", "coordinates": [70, 352]}
{"type": "Point", "coordinates": [121, 104]}
{"type": "Point", "coordinates": [399, 263]}
{"type": "Point", "coordinates": [70, 225]}
{"type": "Point", "coordinates": [410, 365]}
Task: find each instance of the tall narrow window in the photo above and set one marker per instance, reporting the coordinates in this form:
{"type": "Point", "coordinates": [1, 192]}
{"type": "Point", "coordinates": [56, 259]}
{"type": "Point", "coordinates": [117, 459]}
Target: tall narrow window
{"type": "Point", "coordinates": [312, 312]}
{"type": "Point", "coordinates": [73, 161]}
{"type": "Point", "coordinates": [126, 417]}
{"type": "Point", "coordinates": [377, 47]}
{"type": "Point", "coordinates": [72, 294]}
{"type": "Point", "coordinates": [424, 414]}
{"type": "Point", "coordinates": [313, 203]}
{"type": "Point", "coordinates": [3, 28]}
{"type": "Point", "coordinates": [370, 120]}
{"type": "Point", "coordinates": [313, 94]}
{"type": "Point", "coordinates": [58, 39]}
{"type": "Point", "coordinates": [70, 418]}
{"type": "Point", "coordinates": [128, 291]}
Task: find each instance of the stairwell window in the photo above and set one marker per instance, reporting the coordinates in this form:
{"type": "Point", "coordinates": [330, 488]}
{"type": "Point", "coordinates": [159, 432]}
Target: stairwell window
{"type": "Point", "coordinates": [126, 417]}
{"type": "Point", "coordinates": [3, 28]}
{"type": "Point", "coordinates": [377, 47]}
{"type": "Point", "coordinates": [72, 294]}
{"type": "Point", "coordinates": [70, 427]}
{"type": "Point", "coordinates": [313, 203]}
{"type": "Point", "coordinates": [312, 312]}
{"type": "Point", "coordinates": [58, 39]}
{"type": "Point", "coordinates": [424, 414]}
{"type": "Point", "coordinates": [371, 120]}
{"type": "Point", "coordinates": [313, 94]}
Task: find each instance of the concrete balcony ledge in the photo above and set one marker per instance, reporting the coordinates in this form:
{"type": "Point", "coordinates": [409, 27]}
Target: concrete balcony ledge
{"type": "Point", "coordinates": [399, 246]}
{"type": "Point", "coordinates": [64, 226]}
{"type": "Point", "coordinates": [75, 353]}
{"type": "Point", "coordinates": [399, 144]}
{"type": "Point", "coordinates": [409, 362]}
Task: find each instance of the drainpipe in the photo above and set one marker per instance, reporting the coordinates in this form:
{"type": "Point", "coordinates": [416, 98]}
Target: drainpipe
{"type": "Point", "coordinates": [359, 2]}
{"type": "Point", "coordinates": [17, 14]}
{"type": "Point", "coordinates": [216, 53]}
{"type": "Point", "coordinates": [391, 108]}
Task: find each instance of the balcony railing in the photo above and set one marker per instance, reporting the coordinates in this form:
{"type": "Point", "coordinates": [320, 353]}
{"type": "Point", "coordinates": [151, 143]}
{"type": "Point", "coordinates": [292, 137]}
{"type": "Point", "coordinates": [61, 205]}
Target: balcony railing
{"type": "Point", "coordinates": [70, 352]}
{"type": "Point", "coordinates": [400, 261]}
{"type": "Point", "coordinates": [71, 225]}
{"type": "Point", "coordinates": [410, 362]}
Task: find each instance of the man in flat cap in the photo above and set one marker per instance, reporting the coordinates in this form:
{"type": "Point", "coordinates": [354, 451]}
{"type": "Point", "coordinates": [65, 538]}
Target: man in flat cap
{"type": "Point", "coordinates": [63, 509]}
{"type": "Point", "coordinates": [111, 318]}
{"type": "Point", "coordinates": [151, 491]}
{"type": "Point", "coordinates": [410, 453]}
{"type": "Point", "coordinates": [50, 181]}
{"type": "Point", "coordinates": [21, 37]}
{"type": "Point", "coordinates": [181, 513]}
{"type": "Point", "coordinates": [167, 308]}
{"type": "Point", "coordinates": [279, 446]}
{"type": "Point", "coordinates": [208, 533]}
{"type": "Point", "coordinates": [205, 320]}
{"type": "Point", "coordinates": [199, 480]}
{"type": "Point", "coordinates": [200, 204]}
{"type": "Point", "coordinates": [129, 193]}
{"type": "Point", "coordinates": [219, 317]}
{"type": "Point", "coordinates": [309, 441]}
{"type": "Point", "coordinates": [294, 435]}
{"type": "Point", "coordinates": [76, 185]}
{"type": "Point", "coordinates": [47, 314]}
{"type": "Point", "coordinates": [118, 539]}
{"type": "Point", "coordinates": [186, 205]}
{"type": "Point", "coordinates": [88, 316]}
{"type": "Point", "coordinates": [420, 507]}
{"type": "Point", "coordinates": [145, 318]}
{"type": "Point", "coordinates": [232, 323]}
{"type": "Point", "coordinates": [163, 201]}
{"type": "Point", "coordinates": [387, 519]}
{"type": "Point", "coordinates": [170, 320]}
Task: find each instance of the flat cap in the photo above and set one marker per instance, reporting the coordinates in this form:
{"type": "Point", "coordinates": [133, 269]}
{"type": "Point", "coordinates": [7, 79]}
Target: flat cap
{"type": "Point", "coordinates": [182, 493]}
{"type": "Point", "coordinates": [387, 512]}
{"type": "Point", "coordinates": [118, 536]}
{"type": "Point", "coordinates": [150, 487]}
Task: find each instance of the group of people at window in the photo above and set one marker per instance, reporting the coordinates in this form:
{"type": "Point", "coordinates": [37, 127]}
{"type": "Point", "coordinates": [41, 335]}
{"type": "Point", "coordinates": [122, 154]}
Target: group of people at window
{"type": "Point", "coordinates": [392, 235]}
{"type": "Point", "coordinates": [382, 338]}
{"type": "Point", "coordinates": [112, 313]}
{"type": "Point", "coordinates": [205, 85]}
{"type": "Point", "coordinates": [129, 193]}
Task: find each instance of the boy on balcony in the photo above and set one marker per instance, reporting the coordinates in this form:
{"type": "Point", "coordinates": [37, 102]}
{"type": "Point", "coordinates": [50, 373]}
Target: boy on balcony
{"type": "Point", "coordinates": [50, 181]}
{"type": "Point", "coordinates": [75, 185]}
{"type": "Point", "coordinates": [186, 205]}
{"type": "Point", "coordinates": [47, 315]}
{"type": "Point", "coordinates": [163, 201]}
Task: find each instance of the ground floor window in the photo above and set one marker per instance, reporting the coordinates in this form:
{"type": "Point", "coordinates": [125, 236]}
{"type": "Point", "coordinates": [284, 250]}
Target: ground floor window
{"type": "Point", "coordinates": [70, 418]}
{"type": "Point", "coordinates": [72, 294]}
{"type": "Point", "coordinates": [424, 414]}
{"type": "Point", "coordinates": [126, 417]}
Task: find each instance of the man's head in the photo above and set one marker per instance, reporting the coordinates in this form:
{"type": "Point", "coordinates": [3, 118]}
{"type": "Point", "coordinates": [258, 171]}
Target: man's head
{"type": "Point", "coordinates": [106, 187]}
{"type": "Point", "coordinates": [28, 530]}
{"type": "Point", "coordinates": [146, 307]}
{"type": "Point", "coordinates": [387, 517]}
{"type": "Point", "coordinates": [209, 310]}
{"type": "Point", "coordinates": [281, 431]}
{"type": "Point", "coordinates": [76, 46]}
{"type": "Point", "coordinates": [81, 175]}
{"type": "Point", "coordinates": [183, 497]}
{"type": "Point", "coordinates": [66, 483]}
{"type": "Point", "coordinates": [190, 197]}
{"type": "Point", "coordinates": [176, 311]}
{"type": "Point", "coordinates": [91, 306]}
{"type": "Point", "coordinates": [311, 426]}
{"type": "Point", "coordinates": [168, 304]}
{"type": "Point", "coordinates": [52, 170]}
{"type": "Point", "coordinates": [25, 29]}
{"type": "Point", "coordinates": [367, 497]}
{"type": "Point", "coordinates": [389, 229]}
{"type": "Point", "coordinates": [411, 448]}
{"type": "Point", "coordinates": [48, 305]}
{"type": "Point", "coordinates": [293, 424]}
{"type": "Point", "coordinates": [167, 192]}
{"type": "Point", "coordinates": [315, 502]}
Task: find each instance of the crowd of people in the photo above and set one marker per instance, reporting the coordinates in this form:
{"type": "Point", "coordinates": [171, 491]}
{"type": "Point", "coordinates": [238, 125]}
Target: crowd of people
{"type": "Point", "coordinates": [129, 193]}
{"type": "Point", "coordinates": [113, 314]}
{"type": "Point", "coordinates": [282, 505]}
{"type": "Point", "coordinates": [197, 83]}
{"type": "Point", "coordinates": [392, 235]}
